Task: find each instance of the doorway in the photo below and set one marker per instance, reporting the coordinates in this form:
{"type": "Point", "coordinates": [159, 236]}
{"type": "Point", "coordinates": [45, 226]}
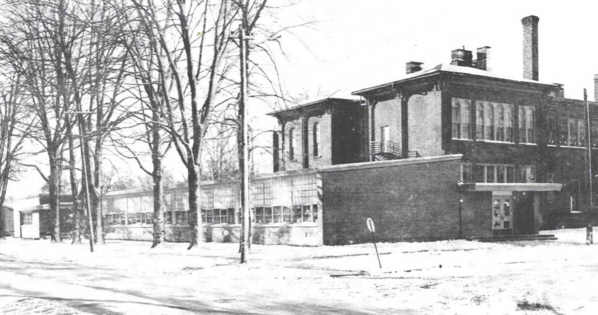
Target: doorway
{"type": "Point", "coordinates": [502, 213]}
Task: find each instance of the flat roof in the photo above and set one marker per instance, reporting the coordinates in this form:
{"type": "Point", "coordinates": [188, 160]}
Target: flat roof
{"type": "Point", "coordinates": [511, 187]}
{"type": "Point", "coordinates": [315, 102]}
{"type": "Point", "coordinates": [448, 68]}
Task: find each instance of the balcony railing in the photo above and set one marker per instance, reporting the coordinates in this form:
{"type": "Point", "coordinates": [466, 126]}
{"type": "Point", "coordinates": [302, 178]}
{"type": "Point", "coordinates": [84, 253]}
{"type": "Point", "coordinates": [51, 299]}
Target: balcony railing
{"type": "Point", "coordinates": [385, 148]}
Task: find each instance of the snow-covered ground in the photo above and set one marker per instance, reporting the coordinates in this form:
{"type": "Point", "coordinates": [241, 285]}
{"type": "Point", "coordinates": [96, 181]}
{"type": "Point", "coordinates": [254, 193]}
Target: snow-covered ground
{"type": "Point", "coordinates": [445, 277]}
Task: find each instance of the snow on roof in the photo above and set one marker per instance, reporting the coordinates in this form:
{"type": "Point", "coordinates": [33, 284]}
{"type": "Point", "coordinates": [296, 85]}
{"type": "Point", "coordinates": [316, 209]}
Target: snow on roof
{"type": "Point", "coordinates": [314, 102]}
{"type": "Point", "coordinates": [453, 69]}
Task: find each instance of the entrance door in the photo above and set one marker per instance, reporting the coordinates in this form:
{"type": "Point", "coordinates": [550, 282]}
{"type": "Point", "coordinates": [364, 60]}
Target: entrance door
{"type": "Point", "coordinates": [502, 213]}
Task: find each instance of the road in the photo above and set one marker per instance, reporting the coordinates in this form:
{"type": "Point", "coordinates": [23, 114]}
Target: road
{"type": "Point", "coordinates": [449, 277]}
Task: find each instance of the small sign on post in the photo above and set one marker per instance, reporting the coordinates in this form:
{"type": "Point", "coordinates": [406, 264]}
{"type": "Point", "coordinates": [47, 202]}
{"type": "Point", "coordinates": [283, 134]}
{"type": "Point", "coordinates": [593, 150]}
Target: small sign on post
{"type": "Point", "coordinates": [372, 228]}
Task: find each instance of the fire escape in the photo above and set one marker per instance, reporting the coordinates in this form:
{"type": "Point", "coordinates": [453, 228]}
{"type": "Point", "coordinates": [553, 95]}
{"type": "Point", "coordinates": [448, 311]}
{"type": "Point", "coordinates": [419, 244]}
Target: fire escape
{"type": "Point", "coordinates": [389, 150]}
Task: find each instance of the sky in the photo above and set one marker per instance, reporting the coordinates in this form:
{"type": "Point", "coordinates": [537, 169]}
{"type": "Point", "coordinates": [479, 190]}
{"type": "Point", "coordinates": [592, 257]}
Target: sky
{"type": "Point", "coordinates": [352, 44]}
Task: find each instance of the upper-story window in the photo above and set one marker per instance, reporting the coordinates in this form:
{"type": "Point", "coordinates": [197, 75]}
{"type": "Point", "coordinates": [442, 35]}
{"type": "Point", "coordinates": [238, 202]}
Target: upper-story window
{"type": "Point", "coordinates": [316, 139]}
{"type": "Point", "coordinates": [594, 135]}
{"type": "Point", "coordinates": [460, 116]}
{"type": "Point", "coordinates": [526, 124]}
{"type": "Point", "coordinates": [552, 130]}
{"type": "Point", "coordinates": [573, 132]}
{"type": "Point", "coordinates": [494, 121]}
{"type": "Point", "coordinates": [291, 143]}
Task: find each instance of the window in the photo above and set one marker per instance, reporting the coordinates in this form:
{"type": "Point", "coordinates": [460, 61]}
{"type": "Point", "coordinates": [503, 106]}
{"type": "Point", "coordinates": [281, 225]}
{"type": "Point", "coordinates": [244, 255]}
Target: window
{"type": "Point", "coordinates": [291, 144]}
{"type": "Point", "coordinates": [563, 132]}
{"type": "Point", "coordinates": [316, 139]}
{"type": "Point", "coordinates": [575, 132]}
{"type": "Point", "coordinates": [181, 217]}
{"type": "Point", "coordinates": [508, 121]}
{"type": "Point", "coordinates": [219, 216]}
{"type": "Point", "coordinates": [594, 135]}
{"type": "Point", "coordinates": [527, 174]}
{"type": "Point", "coordinates": [581, 133]}
{"type": "Point", "coordinates": [552, 130]}
{"type": "Point", "coordinates": [27, 218]}
{"type": "Point", "coordinates": [479, 121]}
{"type": "Point", "coordinates": [489, 121]}
{"type": "Point", "coordinates": [526, 124]}
{"type": "Point", "coordinates": [460, 117]}
{"type": "Point", "coordinates": [493, 173]}
{"type": "Point", "coordinates": [494, 121]}
{"type": "Point", "coordinates": [500, 122]}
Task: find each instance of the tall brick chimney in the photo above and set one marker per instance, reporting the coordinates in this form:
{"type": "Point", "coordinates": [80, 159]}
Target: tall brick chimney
{"type": "Point", "coordinates": [413, 66]}
{"type": "Point", "coordinates": [595, 87]}
{"type": "Point", "coordinates": [530, 47]}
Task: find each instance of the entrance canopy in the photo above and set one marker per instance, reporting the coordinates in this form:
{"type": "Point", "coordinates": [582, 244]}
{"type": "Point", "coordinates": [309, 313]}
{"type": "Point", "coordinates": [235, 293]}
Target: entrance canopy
{"type": "Point", "coordinates": [510, 187]}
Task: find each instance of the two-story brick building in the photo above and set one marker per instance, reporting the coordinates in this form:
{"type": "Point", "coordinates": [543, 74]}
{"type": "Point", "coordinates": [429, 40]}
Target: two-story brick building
{"type": "Point", "coordinates": [517, 135]}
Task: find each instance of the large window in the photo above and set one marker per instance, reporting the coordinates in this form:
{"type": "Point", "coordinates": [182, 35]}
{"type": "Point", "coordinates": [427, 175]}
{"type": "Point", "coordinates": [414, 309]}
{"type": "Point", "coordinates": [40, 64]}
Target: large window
{"type": "Point", "coordinates": [460, 116]}
{"type": "Point", "coordinates": [575, 132]}
{"type": "Point", "coordinates": [526, 124]}
{"type": "Point", "coordinates": [316, 139]}
{"type": "Point", "coordinates": [497, 173]}
{"type": "Point", "coordinates": [494, 121]}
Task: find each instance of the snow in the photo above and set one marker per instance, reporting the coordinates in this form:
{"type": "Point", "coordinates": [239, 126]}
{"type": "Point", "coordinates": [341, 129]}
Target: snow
{"type": "Point", "coordinates": [444, 277]}
{"type": "Point", "coordinates": [453, 69]}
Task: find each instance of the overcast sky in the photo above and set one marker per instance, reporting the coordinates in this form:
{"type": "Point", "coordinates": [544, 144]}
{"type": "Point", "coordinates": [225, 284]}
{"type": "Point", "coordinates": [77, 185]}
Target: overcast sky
{"type": "Point", "coordinates": [352, 44]}
{"type": "Point", "coordinates": [355, 44]}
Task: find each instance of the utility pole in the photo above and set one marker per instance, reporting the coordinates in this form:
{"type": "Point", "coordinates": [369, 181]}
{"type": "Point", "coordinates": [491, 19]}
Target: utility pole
{"type": "Point", "coordinates": [244, 157]}
{"type": "Point", "coordinates": [589, 144]}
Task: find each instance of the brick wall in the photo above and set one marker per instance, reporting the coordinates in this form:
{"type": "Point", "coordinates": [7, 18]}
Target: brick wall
{"type": "Point", "coordinates": [410, 199]}
{"type": "Point", "coordinates": [424, 124]}
{"type": "Point", "coordinates": [388, 113]}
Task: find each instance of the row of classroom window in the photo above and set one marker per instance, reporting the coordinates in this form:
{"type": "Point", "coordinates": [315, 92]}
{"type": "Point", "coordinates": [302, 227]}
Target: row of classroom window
{"type": "Point", "coordinates": [494, 121]}
{"type": "Point", "coordinates": [297, 191]}
{"type": "Point", "coordinates": [259, 215]}
{"type": "Point", "coordinates": [497, 173]}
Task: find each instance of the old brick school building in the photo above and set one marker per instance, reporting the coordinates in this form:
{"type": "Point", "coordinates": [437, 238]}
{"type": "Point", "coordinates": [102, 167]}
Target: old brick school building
{"type": "Point", "coordinates": [443, 152]}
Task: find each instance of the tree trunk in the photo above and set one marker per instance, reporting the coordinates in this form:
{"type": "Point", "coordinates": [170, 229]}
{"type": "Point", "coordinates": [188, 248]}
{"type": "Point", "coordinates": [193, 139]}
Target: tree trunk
{"type": "Point", "coordinates": [74, 190]}
{"type": "Point", "coordinates": [94, 185]}
{"type": "Point", "coordinates": [158, 220]}
{"type": "Point", "coordinates": [193, 173]}
{"type": "Point", "coordinates": [53, 184]}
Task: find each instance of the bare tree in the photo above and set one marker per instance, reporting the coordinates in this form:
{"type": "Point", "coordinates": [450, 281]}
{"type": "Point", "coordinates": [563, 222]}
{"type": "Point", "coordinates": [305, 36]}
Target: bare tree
{"type": "Point", "coordinates": [68, 54]}
{"type": "Point", "coordinates": [26, 45]}
{"type": "Point", "coordinates": [15, 124]}
{"type": "Point", "coordinates": [194, 38]}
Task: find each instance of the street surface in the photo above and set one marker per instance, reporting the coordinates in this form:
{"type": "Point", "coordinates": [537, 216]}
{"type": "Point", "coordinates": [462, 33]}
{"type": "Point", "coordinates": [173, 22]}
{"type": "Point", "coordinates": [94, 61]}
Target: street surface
{"type": "Point", "coordinates": [446, 277]}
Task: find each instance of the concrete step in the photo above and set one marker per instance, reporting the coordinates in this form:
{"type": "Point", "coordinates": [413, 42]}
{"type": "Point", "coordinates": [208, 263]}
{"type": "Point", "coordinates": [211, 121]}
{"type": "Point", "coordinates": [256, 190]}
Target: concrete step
{"type": "Point", "coordinates": [519, 237]}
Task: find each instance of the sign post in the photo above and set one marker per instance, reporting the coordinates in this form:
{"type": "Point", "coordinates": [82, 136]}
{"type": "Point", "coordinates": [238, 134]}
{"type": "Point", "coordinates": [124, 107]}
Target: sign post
{"type": "Point", "coordinates": [372, 228]}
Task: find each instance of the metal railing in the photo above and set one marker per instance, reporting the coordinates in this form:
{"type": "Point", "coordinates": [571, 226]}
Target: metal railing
{"type": "Point", "coordinates": [385, 147]}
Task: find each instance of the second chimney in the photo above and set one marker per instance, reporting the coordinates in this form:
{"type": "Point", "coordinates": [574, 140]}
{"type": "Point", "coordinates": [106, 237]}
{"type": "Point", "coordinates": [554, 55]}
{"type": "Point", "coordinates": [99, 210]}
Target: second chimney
{"type": "Point", "coordinates": [530, 47]}
{"type": "Point", "coordinates": [413, 66]}
{"type": "Point", "coordinates": [482, 55]}
{"type": "Point", "coordinates": [461, 57]}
